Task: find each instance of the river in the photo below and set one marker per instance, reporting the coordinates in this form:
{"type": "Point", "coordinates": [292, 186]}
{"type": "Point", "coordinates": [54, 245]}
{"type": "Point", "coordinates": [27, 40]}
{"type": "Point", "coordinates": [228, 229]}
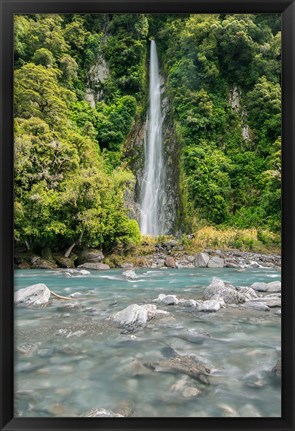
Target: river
{"type": "Point", "coordinates": [70, 359]}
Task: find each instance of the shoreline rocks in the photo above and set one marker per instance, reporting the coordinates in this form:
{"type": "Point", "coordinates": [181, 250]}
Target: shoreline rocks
{"type": "Point", "coordinates": [166, 255]}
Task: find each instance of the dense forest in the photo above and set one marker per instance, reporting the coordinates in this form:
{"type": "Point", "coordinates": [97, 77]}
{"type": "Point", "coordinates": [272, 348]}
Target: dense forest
{"type": "Point", "coordinates": [81, 99]}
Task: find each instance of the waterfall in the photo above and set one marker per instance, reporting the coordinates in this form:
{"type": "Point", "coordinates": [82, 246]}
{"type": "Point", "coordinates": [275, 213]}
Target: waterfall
{"type": "Point", "coordinates": [152, 221]}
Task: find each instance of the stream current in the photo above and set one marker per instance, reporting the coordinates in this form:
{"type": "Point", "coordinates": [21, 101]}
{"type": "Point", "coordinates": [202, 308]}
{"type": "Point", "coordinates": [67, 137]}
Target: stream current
{"type": "Point", "coordinates": [69, 359]}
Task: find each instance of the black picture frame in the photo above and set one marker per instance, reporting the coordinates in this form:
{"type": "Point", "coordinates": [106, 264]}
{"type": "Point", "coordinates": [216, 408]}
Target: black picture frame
{"type": "Point", "coordinates": [11, 7]}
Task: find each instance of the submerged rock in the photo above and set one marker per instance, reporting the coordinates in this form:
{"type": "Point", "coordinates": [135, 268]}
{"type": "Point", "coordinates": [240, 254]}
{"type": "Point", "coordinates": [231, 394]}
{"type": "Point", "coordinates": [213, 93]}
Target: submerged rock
{"type": "Point", "coordinates": [194, 337]}
{"type": "Point", "coordinates": [259, 306]}
{"type": "Point", "coordinates": [181, 364]}
{"type": "Point", "coordinates": [129, 275]}
{"type": "Point", "coordinates": [36, 295]}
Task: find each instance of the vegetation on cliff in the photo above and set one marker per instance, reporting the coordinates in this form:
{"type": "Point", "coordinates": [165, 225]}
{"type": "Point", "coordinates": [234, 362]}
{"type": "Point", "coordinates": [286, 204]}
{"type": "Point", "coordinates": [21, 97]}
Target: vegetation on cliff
{"type": "Point", "coordinates": [81, 84]}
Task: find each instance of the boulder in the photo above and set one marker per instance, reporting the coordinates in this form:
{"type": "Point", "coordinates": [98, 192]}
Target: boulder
{"type": "Point", "coordinates": [215, 262]}
{"type": "Point", "coordinates": [259, 286]}
{"type": "Point", "coordinates": [167, 299]}
{"type": "Point", "coordinates": [151, 310]}
{"type": "Point", "coordinates": [93, 265]}
{"type": "Point", "coordinates": [229, 293]}
{"type": "Point", "coordinates": [35, 295]}
{"type": "Point", "coordinates": [274, 286]}
{"type": "Point", "coordinates": [248, 292]}
{"type": "Point", "coordinates": [132, 315]}
{"type": "Point", "coordinates": [201, 260]}
{"type": "Point", "coordinates": [40, 263]}
{"type": "Point", "coordinates": [170, 262]}
{"type": "Point", "coordinates": [24, 265]}
{"type": "Point", "coordinates": [210, 305]}
{"type": "Point", "coordinates": [219, 299]}
{"type": "Point", "coordinates": [65, 262]}
{"type": "Point", "coordinates": [91, 255]}
{"type": "Point", "coordinates": [190, 365]}
{"type": "Point", "coordinates": [129, 275]}
{"type": "Point", "coordinates": [230, 264]}
{"type": "Point", "coordinates": [269, 301]}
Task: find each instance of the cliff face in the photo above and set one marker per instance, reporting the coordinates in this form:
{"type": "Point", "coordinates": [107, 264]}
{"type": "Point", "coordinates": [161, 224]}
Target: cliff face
{"type": "Point", "coordinates": [172, 161]}
{"type": "Point", "coordinates": [134, 152]}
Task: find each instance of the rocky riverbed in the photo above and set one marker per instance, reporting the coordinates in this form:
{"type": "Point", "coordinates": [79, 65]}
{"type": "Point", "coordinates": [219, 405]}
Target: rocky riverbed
{"type": "Point", "coordinates": [148, 342]}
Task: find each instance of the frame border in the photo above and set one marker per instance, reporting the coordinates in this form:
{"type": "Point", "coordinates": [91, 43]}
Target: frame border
{"type": "Point", "coordinates": [7, 10]}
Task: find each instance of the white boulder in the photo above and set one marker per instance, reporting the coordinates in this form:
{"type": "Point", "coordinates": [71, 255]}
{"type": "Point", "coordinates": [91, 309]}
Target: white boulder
{"type": "Point", "coordinates": [35, 295]}
{"type": "Point", "coordinates": [132, 315]}
{"type": "Point", "coordinates": [210, 305]}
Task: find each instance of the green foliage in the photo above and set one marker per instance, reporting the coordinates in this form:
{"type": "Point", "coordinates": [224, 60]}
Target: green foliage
{"type": "Point", "coordinates": [38, 94]}
{"type": "Point", "coordinates": [44, 57]}
{"type": "Point", "coordinates": [222, 76]}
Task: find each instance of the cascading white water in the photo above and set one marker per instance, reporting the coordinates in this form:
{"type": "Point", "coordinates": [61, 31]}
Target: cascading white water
{"type": "Point", "coordinates": [152, 212]}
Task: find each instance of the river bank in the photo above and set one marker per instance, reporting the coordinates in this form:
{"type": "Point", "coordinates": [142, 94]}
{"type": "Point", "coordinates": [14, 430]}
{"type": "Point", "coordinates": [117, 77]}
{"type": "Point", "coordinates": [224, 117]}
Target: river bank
{"type": "Point", "coordinates": [167, 254]}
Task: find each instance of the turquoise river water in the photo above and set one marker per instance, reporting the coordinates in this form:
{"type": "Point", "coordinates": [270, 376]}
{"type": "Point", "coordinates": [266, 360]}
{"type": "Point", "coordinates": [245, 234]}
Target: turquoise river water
{"type": "Point", "coordinates": [69, 359]}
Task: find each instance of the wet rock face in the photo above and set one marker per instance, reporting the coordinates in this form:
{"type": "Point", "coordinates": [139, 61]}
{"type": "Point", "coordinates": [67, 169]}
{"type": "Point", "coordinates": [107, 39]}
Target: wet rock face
{"type": "Point", "coordinates": [35, 295]}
